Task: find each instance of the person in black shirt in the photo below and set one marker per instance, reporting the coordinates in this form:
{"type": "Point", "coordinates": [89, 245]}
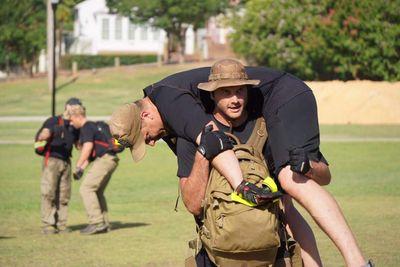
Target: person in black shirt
{"type": "Point", "coordinates": [54, 141]}
{"type": "Point", "coordinates": [289, 108]}
{"type": "Point", "coordinates": [293, 154]}
{"type": "Point", "coordinates": [95, 149]}
{"type": "Point", "coordinates": [231, 115]}
{"type": "Point", "coordinates": [170, 112]}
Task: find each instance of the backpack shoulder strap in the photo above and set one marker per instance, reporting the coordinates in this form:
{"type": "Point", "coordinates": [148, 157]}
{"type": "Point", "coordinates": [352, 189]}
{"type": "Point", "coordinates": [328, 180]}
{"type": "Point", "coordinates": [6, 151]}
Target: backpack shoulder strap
{"type": "Point", "coordinates": [60, 121]}
{"type": "Point", "coordinates": [259, 135]}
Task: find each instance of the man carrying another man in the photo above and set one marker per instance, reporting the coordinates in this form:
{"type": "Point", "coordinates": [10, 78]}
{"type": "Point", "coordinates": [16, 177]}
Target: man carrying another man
{"type": "Point", "coordinates": [290, 112]}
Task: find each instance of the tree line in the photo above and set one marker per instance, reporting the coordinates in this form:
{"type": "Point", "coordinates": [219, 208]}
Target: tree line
{"type": "Point", "coordinates": [314, 39]}
{"type": "Point", "coordinates": [321, 39]}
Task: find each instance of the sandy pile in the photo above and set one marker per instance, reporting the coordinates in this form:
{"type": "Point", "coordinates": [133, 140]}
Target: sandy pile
{"type": "Point", "coordinates": [357, 102]}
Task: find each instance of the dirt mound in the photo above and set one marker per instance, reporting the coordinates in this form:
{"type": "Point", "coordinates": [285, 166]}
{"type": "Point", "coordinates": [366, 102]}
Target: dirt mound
{"type": "Point", "coordinates": [357, 102]}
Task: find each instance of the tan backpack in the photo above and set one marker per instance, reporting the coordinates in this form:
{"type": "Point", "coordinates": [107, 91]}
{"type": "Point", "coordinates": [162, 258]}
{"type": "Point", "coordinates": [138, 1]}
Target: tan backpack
{"type": "Point", "coordinates": [234, 234]}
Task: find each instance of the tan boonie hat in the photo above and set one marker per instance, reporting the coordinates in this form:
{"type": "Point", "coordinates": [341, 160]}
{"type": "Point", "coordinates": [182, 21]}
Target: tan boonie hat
{"type": "Point", "coordinates": [225, 73]}
{"type": "Point", "coordinates": [125, 127]}
{"type": "Point", "coordinates": [73, 110]}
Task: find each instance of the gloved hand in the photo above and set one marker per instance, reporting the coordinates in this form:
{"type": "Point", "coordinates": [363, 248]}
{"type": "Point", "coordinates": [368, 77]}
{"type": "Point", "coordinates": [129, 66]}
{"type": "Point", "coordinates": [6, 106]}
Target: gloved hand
{"type": "Point", "coordinates": [256, 195]}
{"type": "Point", "coordinates": [78, 173]}
{"type": "Point", "coordinates": [213, 143]}
{"type": "Point", "coordinates": [299, 161]}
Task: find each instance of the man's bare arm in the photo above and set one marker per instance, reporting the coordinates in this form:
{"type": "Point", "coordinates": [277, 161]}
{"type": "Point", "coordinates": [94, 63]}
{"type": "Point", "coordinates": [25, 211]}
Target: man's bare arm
{"type": "Point", "coordinates": [87, 148]}
{"type": "Point", "coordinates": [320, 173]}
{"type": "Point", "coordinates": [226, 163]}
{"type": "Point", "coordinates": [44, 134]}
{"type": "Point", "coordinates": [194, 187]}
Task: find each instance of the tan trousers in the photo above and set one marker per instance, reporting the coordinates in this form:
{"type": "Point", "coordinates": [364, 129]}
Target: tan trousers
{"type": "Point", "coordinates": [93, 186]}
{"type": "Point", "coordinates": [55, 189]}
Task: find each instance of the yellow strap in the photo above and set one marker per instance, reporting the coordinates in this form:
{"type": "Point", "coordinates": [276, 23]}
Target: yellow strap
{"type": "Point", "coordinates": [235, 197]}
{"type": "Point", "coordinates": [269, 182]}
{"type": "Point", "coordinates": [40, 144]}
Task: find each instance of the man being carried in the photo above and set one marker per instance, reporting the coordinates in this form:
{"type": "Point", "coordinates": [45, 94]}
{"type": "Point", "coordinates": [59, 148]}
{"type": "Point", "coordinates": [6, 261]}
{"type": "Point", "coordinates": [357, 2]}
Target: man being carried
{"type": "Point", "coordinates": [168, 113]}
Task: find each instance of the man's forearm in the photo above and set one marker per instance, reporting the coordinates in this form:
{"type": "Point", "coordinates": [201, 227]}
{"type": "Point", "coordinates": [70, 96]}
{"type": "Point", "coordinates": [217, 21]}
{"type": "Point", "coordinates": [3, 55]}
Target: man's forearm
{"type": "Point", "coordinates": [194, 187]}
{"type": "Point", "coordinates": [319, 173]}
{"type": "Point", "coordinates": [85, 153]}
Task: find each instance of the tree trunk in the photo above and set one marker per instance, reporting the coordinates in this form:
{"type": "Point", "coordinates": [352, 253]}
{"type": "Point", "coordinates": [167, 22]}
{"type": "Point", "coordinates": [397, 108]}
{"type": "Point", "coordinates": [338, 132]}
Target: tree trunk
{"type": "Point", "coordinates": [59, 43]}
{"type": "Point", "coordinates": [182, 44]}
{"type": "Point", "coordinates": [167, 48]}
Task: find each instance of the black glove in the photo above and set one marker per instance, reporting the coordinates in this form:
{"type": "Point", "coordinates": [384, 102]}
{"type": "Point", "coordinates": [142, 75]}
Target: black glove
{"type": "Point", "coordinates": [256, 195]}
{"type": "Point", "coordinates": [213, 143]}
{"type": "Point", "coordinates": [78, 173]}
{"type": "Point", "coordinates": [299, 161]}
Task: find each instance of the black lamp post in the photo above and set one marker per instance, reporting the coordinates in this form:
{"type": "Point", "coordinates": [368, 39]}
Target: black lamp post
{"type": "Point", "coordinates": [54, 4]}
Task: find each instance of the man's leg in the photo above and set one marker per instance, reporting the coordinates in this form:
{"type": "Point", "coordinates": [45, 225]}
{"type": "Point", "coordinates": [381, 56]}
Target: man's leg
{"type": "Point", "coordinates": [48, 188]}
{"type": "Point", "coordinates": [325, 211]}
{"type": "Point", "coordinates": [294, 124]}
{"type": "Point", "coordinates": [88, 191]}
{"type": "Point", "coordinates": [302, 233]}
{"type": "Point", "coordinates": [64, 196]}
{"type": "Point", "coordinates": [111, 163]}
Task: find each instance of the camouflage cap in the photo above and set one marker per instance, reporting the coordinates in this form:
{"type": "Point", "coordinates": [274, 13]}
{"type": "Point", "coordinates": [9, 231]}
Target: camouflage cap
{"type": "Point", "coordinates": [125, 124]}
{"type": "Point", "coordinates": [226, 73]}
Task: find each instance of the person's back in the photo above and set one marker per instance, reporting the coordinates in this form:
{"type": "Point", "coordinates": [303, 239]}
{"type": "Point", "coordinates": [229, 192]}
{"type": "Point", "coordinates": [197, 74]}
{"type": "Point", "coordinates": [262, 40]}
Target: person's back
{"type": "Point", "coordinates": [95, 150]}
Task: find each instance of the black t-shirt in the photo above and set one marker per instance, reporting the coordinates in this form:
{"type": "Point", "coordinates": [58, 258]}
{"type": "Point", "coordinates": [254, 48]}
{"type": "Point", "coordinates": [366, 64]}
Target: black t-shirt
{"type": "Point", "coordinates": [181, 111]}
{"type": "Point", "coordinates": [91, 133]}
{"type": "Point", "coordinates": [276, 88]}
{"type": "Point", "coordinates": [63, 137]}
{"type": "Point", "coordinates": [186, 150]}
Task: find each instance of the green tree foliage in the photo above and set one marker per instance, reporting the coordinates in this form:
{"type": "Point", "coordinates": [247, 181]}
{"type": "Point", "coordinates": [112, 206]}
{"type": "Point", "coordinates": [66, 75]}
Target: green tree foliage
{"type": "Point", "coordinates": [173, 16]}
{"type": "Point", "coordinates": [22, 32]}
{"type": "Point", "coordinates": [329, 39]}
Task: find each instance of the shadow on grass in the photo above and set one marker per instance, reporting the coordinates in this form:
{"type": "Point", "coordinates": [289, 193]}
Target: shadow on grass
{"type": "Point", "coordinates": [66, 84]}
{"type": "Point", "coordinates": [6, 237]}
{"type": "Point", "coordinates": [114, 225]}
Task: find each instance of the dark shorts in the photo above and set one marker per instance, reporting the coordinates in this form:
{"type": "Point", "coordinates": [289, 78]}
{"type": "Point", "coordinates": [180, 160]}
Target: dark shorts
{"type": "Point", "coordinates": [294, 125]}
{"type": "Point", "coordinates": [202, 259]}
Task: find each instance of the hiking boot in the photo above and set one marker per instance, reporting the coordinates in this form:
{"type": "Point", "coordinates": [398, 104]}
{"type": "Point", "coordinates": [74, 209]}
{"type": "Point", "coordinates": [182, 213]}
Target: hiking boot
{"type": "Point", "coordinates": [92, 229]}
{"type": "Point", "coordinates": [64, 230]}
{"type": "Point", "coordinates": [256, 195]}
{"type": "Point", "coordinates": [49, 230]}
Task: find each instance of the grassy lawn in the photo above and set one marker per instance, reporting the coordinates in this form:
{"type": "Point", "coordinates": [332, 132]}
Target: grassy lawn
{"type": "Point", "coordinates": [100, 92]}
{"type": "Point", "coordinates": [148, 232]}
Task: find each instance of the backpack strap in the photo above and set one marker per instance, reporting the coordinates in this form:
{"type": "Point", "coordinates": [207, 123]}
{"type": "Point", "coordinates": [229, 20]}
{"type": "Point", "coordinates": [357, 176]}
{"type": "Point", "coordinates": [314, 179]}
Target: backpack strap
{"type": "Point", "coordinates": [259, 135]}
{"type": "Point", "coordinates": [60, 122]}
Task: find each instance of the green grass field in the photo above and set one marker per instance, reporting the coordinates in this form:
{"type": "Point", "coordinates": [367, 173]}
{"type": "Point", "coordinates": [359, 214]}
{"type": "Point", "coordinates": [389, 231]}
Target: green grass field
{"type": "Point", "coordinates": [101, 92]}
{"type": "Point", "coordinates": [147, 232]}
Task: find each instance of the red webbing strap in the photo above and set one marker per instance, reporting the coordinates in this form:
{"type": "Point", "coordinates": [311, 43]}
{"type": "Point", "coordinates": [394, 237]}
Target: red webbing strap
{"type": "Point", "coordinates": [47, 156]}
{"type": "Point", "coordinates": [101, 143]}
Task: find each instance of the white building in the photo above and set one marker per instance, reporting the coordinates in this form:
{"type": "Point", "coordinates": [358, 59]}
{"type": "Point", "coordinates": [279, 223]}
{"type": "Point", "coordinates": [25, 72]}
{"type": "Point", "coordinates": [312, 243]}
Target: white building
{"type": "Point", "coordinates": [98, 32]}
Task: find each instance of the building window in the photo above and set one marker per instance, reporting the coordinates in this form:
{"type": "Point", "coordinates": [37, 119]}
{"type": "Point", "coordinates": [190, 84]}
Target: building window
{"type": "Point", "coordinates": [143, 33]}
{"type": "Point", "coordinates": [156, 34]}
{"type": "Point", "coordinates": [118, 28]}
{"type": "Point", "coordinates": [105, 29]}
{"type": "Point", "coordinates": [131, 31]}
